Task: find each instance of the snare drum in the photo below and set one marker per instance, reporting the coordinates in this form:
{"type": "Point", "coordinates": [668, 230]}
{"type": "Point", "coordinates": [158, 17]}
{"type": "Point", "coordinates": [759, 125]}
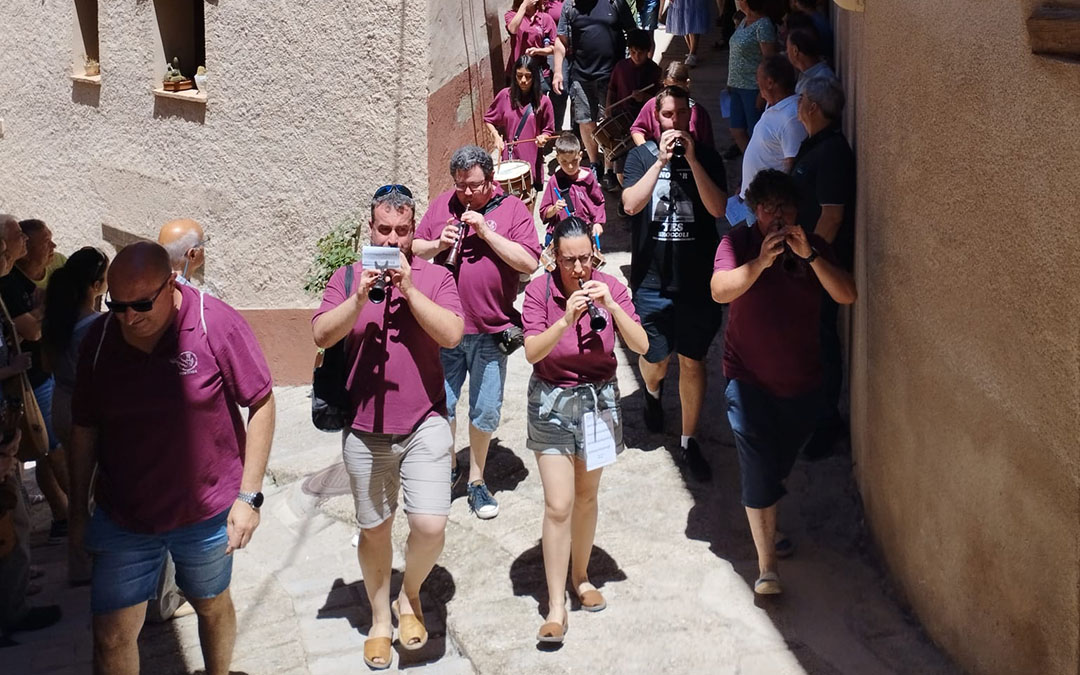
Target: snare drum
{"type": "Point", "coordinates": [613, 136]}
{"type": "Point", "coordinates": [515, 177]}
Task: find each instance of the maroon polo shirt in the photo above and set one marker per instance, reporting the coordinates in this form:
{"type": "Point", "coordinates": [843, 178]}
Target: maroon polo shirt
{"type": "Point", "coordinates": [395, 376]}
{"type": "Point", "coordinates": [582, 355]}
{"type": "Point", "coordinates": [773, 331]}
{"type": "Point", "coordinates": [170, 444]}
{"type": "Point", "coordinates": [487, 285]}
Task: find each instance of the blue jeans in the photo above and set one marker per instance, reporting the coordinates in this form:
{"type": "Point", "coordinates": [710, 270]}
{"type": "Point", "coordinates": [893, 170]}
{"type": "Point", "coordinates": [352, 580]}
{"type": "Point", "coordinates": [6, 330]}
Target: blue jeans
{"type": "Point", "coordinates": [127, 564]}
{"type": "Point", "coordinates": [744, 110]}
{"type": "Point", "coordinates": [769, 433]}
{"type": "Point", "coordinates": [479, 358]}
{"type": "Point", "coordinates": [43, 394]}
{"type": "Point", "coordinates": [648, 14]}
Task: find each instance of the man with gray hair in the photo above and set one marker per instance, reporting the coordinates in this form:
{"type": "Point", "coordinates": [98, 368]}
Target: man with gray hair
{"type": "Point", "coordinates": [487, 239]}
{"type": "Point", "coordinates": [825, 174]}
{"type": "Point", "coordinates": [185, 242]}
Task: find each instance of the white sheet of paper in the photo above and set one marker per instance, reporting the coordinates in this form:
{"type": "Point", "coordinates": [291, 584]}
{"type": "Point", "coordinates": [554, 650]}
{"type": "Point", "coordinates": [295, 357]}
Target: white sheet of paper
{"type": "Point", "coordinates": [599, 439]}
{"type": "Point", "coordinates": [381, 257]}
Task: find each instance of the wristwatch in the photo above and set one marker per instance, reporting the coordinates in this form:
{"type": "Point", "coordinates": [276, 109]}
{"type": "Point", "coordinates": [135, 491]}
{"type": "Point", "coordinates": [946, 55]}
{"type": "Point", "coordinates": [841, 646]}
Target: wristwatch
{"type": "Point", "coordinates": [812, 257]}
{"type": "Point", "coordinates": [252, 499]}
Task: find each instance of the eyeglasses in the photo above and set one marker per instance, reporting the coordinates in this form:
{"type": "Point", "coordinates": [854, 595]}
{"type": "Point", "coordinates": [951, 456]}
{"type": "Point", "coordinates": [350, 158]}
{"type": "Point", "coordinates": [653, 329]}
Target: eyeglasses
{"type": "Point", "coordinates": [474, 187]}
{"type": "Point", "coordinates": [137, 305]}
{"type": "Point", "coordinates": [393, 187]}
{"type": "Point", "coordinates": [568, 261]}
{"type": "Point", "coordinates": [775, 207]}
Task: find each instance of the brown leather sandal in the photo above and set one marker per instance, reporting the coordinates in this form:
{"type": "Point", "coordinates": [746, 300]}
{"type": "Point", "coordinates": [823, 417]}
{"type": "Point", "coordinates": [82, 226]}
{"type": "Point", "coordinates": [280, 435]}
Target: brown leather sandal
{"type": "Point", "coordinates": [592, 601]}
{"type": "Point", "coordinates": [552, 632]}
{"type": "Point", "coordinates": [377, 648]}
{"type": "Point", "coordinates": [412, 634]}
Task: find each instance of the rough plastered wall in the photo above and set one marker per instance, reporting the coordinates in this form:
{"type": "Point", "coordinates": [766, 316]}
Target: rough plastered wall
{"type": "Point", "coordinates": [966, 357]}
{"type": "Point", "coordinates": [312, 104]}
{"type": "Point", "coordinates": [465, 57]}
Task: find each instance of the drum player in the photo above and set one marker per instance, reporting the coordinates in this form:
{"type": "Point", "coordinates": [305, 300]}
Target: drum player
{"type": "Point", "coordinates": [521, 119]}
{"type": "Point", "coordinates": [498, 244]}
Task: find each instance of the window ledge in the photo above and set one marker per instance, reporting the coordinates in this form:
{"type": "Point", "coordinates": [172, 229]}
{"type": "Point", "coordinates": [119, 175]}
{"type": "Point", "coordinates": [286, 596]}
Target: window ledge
{"type": "Point", "coordinates": [86, 79]}
{"type": "Point", "coordinates": [193, 95]}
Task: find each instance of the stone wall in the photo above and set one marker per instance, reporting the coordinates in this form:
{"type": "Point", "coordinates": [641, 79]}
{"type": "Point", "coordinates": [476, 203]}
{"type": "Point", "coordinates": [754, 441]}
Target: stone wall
{"type": "Point", "coordinates": [966, 358]}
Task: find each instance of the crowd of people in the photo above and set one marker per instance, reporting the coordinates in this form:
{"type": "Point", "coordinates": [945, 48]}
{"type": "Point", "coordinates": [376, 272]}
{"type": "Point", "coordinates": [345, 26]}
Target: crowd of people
{"type": "Point", "coordinates": [133, 415]}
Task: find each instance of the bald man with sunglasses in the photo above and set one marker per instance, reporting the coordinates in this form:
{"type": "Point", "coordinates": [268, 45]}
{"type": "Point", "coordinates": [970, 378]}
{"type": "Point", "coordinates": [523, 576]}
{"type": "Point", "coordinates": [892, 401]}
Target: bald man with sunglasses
{"type": "Point", "coordinates": [156, 409]}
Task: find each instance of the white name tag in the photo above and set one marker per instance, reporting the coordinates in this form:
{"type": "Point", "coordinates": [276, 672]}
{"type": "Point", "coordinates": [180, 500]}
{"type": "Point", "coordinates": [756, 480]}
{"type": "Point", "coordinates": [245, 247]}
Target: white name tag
{"type": "Point", "coordinates": [599, 439]}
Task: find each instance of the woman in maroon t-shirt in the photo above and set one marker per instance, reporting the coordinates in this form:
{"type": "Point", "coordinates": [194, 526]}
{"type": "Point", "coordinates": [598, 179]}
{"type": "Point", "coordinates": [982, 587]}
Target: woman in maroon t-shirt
{"type": "Point", "coordinates": [522, 100]}
{"type": "Point", "coordinates": [574, 421]}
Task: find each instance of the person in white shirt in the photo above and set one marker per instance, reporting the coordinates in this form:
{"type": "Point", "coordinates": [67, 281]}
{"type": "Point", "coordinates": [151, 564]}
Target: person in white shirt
{"type": "Point", "coordinates": [778, 134]}
{"type": "Point", "coordinates": [805, 53]}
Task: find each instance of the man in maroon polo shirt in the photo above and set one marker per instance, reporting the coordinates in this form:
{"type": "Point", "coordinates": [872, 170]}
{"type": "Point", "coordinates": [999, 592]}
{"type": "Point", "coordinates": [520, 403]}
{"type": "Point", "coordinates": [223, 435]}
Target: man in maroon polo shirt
{"type": "Point", "coordinates": [774, 275]}
{"type": "Point", "coordinates": [399, 438]}
{"type": "Point", "coordinates": [499, 244]}
{"type": "Point", "coordinates": [160, 382]}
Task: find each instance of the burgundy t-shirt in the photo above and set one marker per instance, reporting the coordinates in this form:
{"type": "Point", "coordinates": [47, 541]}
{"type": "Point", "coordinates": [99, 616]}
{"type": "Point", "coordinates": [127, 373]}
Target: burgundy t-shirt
{"type": "Point", "coordinates": [582, 355]}
{"type": "Point", "coordinates": [502, 114]}
{"type": "Point", "coordinates": [585, 194]}
{"type": "Point", "coordinates": [535, 31]}
{"type": "Point", "coordinates": [554, 10]}
{"type": "Point", "coordinates": [700, 123]}
{"type": "Point", "coordinates": [171, 437]}
{"type": "Point", "coordinates": [628, 78]}
{"type": "Point", "coordinates": [773, 330]}
{"type": "Point", "coordinates": [395, 377]}
{"type": "Point", "coordinates": [487, 285]}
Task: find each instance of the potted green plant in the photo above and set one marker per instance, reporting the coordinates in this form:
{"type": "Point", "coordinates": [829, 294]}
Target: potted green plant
{"type": "Point", "coordinates": [174, 79]}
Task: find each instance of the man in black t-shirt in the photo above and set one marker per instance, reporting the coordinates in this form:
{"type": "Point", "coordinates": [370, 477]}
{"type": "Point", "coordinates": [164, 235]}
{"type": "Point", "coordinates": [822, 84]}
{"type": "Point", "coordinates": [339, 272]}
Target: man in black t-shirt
{"type": "Point", "coordinates": [592, 35]}
{"type": "Point", "coordinates": [30, 245]}
{"type": "Point", "coordinates": [674, 191]}
{"type": "Point", "coordinates": [824, 170]}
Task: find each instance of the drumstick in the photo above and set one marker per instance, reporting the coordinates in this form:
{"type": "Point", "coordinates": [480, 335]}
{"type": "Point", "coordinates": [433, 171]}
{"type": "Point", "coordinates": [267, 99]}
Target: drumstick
{"type": "Point", "coordinates": [616, 104]}
{"type": "Point", "coordinates": [566, 208]}
{"type": "Point", "coordinates": [523, 140]}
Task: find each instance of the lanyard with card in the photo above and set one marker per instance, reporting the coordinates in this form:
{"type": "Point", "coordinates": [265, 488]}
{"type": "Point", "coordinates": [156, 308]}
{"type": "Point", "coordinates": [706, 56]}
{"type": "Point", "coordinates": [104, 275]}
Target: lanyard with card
{"type": "Point", "coordinates": [600, 447]}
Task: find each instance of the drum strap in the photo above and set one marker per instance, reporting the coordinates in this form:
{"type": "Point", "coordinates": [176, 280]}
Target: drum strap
{"type": "Point", "coordinates": [524, 118]}
{"type": "Point", "coordinates": [564, 194]}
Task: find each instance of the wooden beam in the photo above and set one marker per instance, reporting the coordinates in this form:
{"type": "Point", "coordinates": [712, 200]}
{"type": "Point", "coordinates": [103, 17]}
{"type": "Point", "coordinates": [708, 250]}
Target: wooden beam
{"type": "Point", "coordinates": [1055, 31]}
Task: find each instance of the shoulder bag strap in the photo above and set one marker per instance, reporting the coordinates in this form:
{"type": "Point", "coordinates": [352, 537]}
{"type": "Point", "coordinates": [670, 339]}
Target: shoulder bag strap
{"type": "Point", "coordinates": [524, 118]}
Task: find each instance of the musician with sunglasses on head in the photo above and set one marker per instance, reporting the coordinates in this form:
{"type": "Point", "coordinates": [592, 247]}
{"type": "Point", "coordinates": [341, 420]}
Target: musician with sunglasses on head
{"type": "Point", "coordinates": [398, 438]}
{"type": "Point", "coordinates": [489, 240]}
{"type": "Point", "coordinates": [156, 408]}
{"type": "Point", "coordinates": [774, 275]}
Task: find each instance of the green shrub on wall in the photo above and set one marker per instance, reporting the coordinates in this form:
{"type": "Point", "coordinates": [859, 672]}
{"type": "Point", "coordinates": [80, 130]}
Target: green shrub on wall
{"type": "Point", "coordinates": [340, 246]}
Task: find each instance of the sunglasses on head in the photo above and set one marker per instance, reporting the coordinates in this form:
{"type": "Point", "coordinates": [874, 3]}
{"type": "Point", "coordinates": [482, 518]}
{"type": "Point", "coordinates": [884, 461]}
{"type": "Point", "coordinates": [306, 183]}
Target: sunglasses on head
{"type": "Point", "coordinates": [137, 305]}
{"type": "Point", "coordinates": [393, 187]}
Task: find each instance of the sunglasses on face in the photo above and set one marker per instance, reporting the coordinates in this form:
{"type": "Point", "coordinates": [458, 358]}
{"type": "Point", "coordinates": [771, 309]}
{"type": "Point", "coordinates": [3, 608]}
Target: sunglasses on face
{"type": "Point", "coordinates": [393, 187]}
{"type": "Point", "coordinates": [137, 305]}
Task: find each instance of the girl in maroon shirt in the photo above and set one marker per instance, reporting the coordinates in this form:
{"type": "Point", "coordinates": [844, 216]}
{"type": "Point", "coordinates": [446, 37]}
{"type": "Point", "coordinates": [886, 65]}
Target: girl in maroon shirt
{"type": "Point", "coordinates": [523, 99]}
{"type": "Point", "coordinates": [573, 385]}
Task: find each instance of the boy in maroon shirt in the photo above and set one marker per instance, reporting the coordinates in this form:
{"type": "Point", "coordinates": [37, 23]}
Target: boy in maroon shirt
{"type": "Point", "coordinates": [773, 274]}
{"type": "Point", "coordinates": [572, 191]}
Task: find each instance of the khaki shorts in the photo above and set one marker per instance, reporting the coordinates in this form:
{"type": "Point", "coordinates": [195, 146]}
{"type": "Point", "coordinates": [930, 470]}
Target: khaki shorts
{"type": "Point", "coordinates": [378, 464]}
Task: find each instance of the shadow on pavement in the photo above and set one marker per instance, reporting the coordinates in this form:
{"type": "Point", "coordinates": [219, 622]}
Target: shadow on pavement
{"type": "Point", "coordinates": [503, 473]}
{"type": "Point", "coordinates": [349, 601]}
{"type": "Point", "coordinates": [527, 576]}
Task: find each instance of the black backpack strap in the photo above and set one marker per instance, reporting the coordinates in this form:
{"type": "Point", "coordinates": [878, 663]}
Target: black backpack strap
{"type": "Point", "coordinates": [348, 280]}
{"type": "Point", "coordinates": [493, 204]}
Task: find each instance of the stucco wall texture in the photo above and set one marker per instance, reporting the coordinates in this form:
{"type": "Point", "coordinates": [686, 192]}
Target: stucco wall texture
{"type": "Point", "coordinates": [312, 105]}
{"type": "Point", "coordinates": [966, 358]}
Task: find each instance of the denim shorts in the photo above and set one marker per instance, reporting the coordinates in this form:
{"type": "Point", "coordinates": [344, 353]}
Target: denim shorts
{"type": "Point", "coordinates": [588, 98]}
{"type": "Point", "coordinates": [555, 415]}
{"type": "Point", "coordinates": [744, 110]}
{"type": "Point", "coordinates": [686, 326]}
{"type": "Point", "coordinates": [769, 433]}
{"type": "Point", "coordinates": [43, 394]}
{"type": "Point", "coordinates": [127, 564]}
{"type": "Point", "coordinates": [478, 357]}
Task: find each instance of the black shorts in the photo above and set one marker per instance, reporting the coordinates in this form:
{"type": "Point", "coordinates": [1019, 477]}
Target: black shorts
{"type": "Point", "coordinates": [685, 326]}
